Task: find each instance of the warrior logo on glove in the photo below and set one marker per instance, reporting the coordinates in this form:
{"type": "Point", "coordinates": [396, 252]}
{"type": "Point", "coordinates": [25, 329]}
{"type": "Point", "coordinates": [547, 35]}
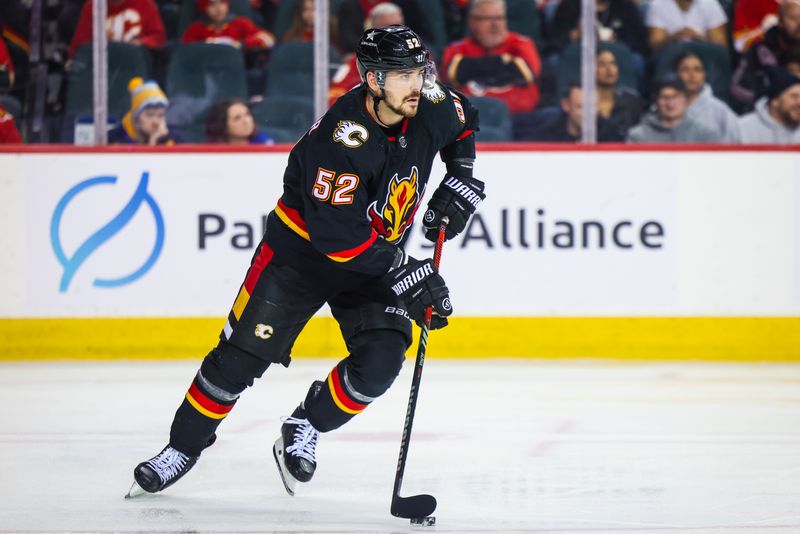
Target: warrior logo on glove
{"type": "Point", "coordinates": [457, 197]}
{"type": "Point", "coordinates": [414, 277]}
{"type": "Point", "coordinates": [419, 285]}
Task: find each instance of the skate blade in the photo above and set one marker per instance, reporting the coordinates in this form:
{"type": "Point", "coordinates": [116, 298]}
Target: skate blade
{"type": "Point", "coordinates": [289, 482]}
{"type": "Point", "coordinates": [135, 491]}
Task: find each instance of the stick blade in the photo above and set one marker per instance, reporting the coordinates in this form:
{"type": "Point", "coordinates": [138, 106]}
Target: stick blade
{"type": "Point", "coordinates": [414, 506]}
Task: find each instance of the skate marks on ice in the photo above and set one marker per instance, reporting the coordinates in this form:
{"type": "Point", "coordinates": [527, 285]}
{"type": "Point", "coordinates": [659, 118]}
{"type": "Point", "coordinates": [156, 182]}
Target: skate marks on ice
{"type": "Point", "coordinates": [541, 447]}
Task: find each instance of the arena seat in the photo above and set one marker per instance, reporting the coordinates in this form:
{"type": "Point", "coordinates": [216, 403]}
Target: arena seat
{"type": "Point", "coordinates": [291, 114]}
{"type": "Point", "coordinates": [715, 57]}
{"type": "Point", "coordinates": [495, 119]}
{"type": "Point", "coordinates": [523, 17]}
{"type": "Point", "coordinates": [198, 76]}
{"type": "Point", "coordinates": [125, 61]}
{"type": "Point", "coordinates": [189, 13]}
{"type": "Point", "coordinates": [569, 66]}
{"type": "Point", "coordinates": [290, 71]}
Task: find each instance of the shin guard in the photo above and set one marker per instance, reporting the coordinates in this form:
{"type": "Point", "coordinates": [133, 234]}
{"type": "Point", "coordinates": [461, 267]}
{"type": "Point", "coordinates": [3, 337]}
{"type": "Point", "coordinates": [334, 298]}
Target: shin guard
{"type": "Point", "coordinates": [335, 404]}
{"type": "Point", "coordinates": [202, 410]}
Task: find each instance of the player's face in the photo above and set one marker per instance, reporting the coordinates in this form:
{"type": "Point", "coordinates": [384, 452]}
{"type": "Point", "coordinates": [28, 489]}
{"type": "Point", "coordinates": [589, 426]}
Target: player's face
{"type": "Point", "coordinates": [150, 120]}
{"type": "Point", "coordinates": [402, 91]}
{"type": "Point", "coordinates": [693, 74]}
{"type": "Point", "coordinates": [240, 122]}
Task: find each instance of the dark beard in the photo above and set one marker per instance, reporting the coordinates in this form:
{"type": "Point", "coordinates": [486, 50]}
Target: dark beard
{"type": "Point", "coordinates": [787, 120]}
{"type": "Point", "coordinates": [399, 110]}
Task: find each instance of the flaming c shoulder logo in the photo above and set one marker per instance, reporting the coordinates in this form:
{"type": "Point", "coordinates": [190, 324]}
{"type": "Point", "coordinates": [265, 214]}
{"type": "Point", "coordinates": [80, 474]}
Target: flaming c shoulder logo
{"type": "Point", "coordinates": [393, 218]}
{"type": "Point", "coordinates": [350, 134]}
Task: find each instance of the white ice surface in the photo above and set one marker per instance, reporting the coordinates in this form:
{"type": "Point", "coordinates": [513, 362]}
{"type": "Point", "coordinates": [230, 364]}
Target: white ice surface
{"type": "Point", "coordinates": [506, 446]}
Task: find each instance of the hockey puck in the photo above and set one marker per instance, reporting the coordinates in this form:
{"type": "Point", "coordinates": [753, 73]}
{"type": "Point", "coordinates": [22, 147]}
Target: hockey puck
{"type": "Point", "coordinates": [424, 521]}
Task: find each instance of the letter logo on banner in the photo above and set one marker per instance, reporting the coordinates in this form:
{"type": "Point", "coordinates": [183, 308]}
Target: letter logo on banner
{"type": "Point", "coordinates": [96, 240]}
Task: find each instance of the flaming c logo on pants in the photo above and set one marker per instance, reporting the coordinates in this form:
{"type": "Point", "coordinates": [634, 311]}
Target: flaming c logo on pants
{"type": "Point", "coordinates": [395, 216]}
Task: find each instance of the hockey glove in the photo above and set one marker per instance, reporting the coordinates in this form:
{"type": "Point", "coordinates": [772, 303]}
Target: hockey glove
{"type": "Point", "coordinates": [456, 197]}
{"type": "Point", "coordinates": [419, 285]}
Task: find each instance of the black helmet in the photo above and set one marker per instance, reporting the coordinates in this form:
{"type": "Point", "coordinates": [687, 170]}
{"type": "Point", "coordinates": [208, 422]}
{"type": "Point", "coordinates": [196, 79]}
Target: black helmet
{"type": "Point", "coordinates": [394, 47]}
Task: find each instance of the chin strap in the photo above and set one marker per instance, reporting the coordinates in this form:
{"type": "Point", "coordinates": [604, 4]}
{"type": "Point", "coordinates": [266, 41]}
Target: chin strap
{"type": "Point", "coordinates": [376, 101]}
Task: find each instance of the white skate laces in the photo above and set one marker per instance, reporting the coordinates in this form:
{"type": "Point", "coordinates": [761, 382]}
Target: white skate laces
{"type": "Point", "coordinates": [305, 439]}
{"type": "Point", "coordinates": [168, 463]}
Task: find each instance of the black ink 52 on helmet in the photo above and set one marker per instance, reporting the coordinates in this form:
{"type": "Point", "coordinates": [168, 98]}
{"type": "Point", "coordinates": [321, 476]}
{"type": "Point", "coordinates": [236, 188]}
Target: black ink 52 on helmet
{"type": "Point", "coordinates": [394, 47]}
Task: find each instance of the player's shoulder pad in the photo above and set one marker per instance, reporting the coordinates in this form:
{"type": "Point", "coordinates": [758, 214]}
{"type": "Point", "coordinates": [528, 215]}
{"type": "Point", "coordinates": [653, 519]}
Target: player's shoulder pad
{"type": "Point", "coordinates": [435, 93]}
{"type": "Point", "coordinates": [350, 133]}
{"type": "Point", "coordinates": [344, 126]}
{"type": "Point", "coordinates": [445, 103]}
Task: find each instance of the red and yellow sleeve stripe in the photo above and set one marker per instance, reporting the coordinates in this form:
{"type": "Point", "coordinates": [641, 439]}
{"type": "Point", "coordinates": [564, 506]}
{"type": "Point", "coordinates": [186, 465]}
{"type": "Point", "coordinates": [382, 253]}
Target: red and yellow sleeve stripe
{"type": "Point", "coordinates": [292, 219]}
{"type": "Point", "coordinates": [347, 255]}
{"type": "Point", "coordinates": [295, 222]}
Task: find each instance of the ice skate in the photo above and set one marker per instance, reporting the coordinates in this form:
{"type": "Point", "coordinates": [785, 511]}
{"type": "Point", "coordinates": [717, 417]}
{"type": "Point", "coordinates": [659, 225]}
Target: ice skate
{"type": "Point", "coordinates": [162, 470]}
{"type": "Point", "coordinates": [294, 450]}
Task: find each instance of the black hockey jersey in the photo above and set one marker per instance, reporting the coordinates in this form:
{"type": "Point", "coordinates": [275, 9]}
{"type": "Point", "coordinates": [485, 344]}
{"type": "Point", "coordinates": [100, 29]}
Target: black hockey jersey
{"type": "Point", "coordinates": [351, 190]}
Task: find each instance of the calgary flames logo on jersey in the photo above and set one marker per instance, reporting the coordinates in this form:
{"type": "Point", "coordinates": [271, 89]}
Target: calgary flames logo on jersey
{"type": "Point", "coordinates": [350, 134]}
{"type": "Point", "coordinates": [397, 212]}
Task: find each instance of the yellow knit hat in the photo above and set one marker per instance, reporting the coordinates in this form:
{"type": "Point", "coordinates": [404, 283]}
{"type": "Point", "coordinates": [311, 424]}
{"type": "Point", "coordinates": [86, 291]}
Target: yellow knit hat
{"type": "Point", "coordinates": [145, 94]}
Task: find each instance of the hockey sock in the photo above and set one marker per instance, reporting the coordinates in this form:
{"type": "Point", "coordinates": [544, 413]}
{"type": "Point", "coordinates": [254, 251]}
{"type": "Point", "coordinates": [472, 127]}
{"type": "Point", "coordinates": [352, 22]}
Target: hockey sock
{"type": "Point", "coordinates": [374, 362]}
{"type": "Point", "coordinates": [336, 403]}
{"type": "Point", "coordinates": [225, 372]}
{"type": "Point", "coordinates": [202, 410]}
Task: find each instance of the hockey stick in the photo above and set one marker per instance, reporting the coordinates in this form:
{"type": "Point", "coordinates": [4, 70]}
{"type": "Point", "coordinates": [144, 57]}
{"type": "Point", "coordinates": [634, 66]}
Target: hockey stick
{"type": "Point", "coordinates": [416, 507]}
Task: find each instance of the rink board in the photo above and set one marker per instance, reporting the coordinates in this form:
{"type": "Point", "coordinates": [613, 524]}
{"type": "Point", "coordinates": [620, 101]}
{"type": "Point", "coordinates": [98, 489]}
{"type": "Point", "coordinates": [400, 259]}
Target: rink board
{"type": "Point", "coordinates": [621, 254]}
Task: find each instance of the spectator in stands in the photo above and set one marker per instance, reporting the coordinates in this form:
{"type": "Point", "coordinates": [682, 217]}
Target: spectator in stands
{"type": "Point", "coordinates": [751, 20]}
{"type": "Point", "coordinates": [15, 27]}
{"type": "Point", "coordinates": [620, 106]}
{"type": "Point", "coordinates": [565, 125]}
{"type": "Point", "coordinates": [455, 18]}
{"type": "Point", "coordinates": [776, 119]}
{"type": "Point", "coordinates": [301, 27]}
{"type": "Point", "coordinates": [8, 130]}
{"type": "Point", "coordinates": [268, 10]}
{"type": "Point", "coordinates": [617, 21]}
{"type": "Point", "coordinates": [146, 122]}
{"type": "Point", "coordinates": [353, 15]}
{"type": "Point", "coordinates": [15, 22]}
{"type": "Point", "coordinates": [6, 68]}
{"type": "Point", "coordinates": [220, 27]}
{"type": "Point", "coordinates": [493, 61]}
{"type": "Point", "coordinates": [347, 77]}
{"type": "Point", "coordinates": [790, 60]}
{"type": "Point", "coordinates": [230, 121]}
{"type": "Point", "coordinates": [686, 20]}
{"type": "Point", "coordinates": [128, 21]}
{"type": "Point", "coordinates": [668, 122]}
{"type": "Point", "coordinates": [750, 79]}
{"type": "Point", "coordinates": [704, 108]}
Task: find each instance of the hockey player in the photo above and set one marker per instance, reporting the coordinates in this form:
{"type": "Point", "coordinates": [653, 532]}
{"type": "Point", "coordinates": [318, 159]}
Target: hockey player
{"type": "Point", "coordinates": [351, 188]}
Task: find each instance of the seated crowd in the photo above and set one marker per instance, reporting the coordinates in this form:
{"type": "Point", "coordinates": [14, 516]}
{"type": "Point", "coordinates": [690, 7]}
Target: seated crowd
{"type": "Point", "coordinates": [667, 71]}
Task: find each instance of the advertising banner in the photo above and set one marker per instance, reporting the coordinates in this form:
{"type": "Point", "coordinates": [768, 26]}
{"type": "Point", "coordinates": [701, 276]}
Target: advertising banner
{"type": "Point", "coordinates": [561, 234]}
